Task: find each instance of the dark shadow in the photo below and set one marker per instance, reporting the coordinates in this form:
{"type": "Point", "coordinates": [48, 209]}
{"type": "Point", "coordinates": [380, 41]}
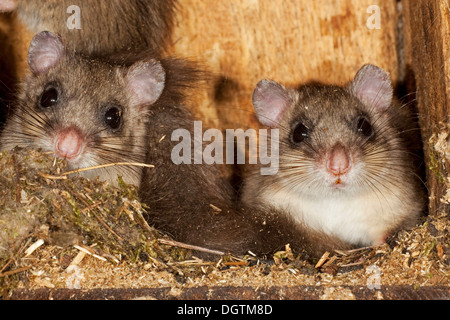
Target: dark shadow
{"type": "Point", "coordinates": [406, 92]}
{"type": "Point", "coordinates": [8, 79]}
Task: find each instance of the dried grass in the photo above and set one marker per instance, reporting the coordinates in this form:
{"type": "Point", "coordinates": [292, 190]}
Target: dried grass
{"type": "Point", "coordinates": [80, 234]}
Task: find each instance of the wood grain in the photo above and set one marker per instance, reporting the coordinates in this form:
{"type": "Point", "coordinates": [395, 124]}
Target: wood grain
{"type": "Point", "coordinates": [427, 49]}
{"type": "Point", "coordinates": [290, 41]}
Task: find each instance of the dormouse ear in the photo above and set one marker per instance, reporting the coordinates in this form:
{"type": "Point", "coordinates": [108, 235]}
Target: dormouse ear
{"type": "Point", "coordinates": [270, 101]}
{"type": "Point", "coordinates": [372, 85]}
{"type": "Point", "coordinates": [8, 5]}
{"type": "Point", "coordinates": [45, 51]}
{"type": "Point", "coordinates": [145, 82]}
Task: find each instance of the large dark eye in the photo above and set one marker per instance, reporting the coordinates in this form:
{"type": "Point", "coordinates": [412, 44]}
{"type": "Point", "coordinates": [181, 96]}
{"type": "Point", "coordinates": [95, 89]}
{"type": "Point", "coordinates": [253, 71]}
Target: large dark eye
{"type": "Point", "coordinates": [113, 118]}
{"type": "Point", "coordinates": [49, 98]}
{"type": "Point", "coordinates": [364, 127]}
{"type": "Point", "coordinates": [300, 133]}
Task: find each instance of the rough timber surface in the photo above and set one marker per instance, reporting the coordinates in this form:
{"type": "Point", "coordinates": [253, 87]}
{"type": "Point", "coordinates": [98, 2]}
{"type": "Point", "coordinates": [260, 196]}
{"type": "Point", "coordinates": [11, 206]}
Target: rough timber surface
{"type": "Point", "coordinates": [427, 48]}
{"type": "Point", "coordinates": [241, 293]}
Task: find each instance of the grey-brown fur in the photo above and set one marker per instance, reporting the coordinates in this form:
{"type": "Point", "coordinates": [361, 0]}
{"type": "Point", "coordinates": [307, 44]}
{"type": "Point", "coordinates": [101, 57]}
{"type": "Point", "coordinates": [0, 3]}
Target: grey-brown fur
{"type": "Point", "coordinates": [179, 197]}
{"type": "Point", "coordinates": [182, 199]}
{"type": "Point", "coordinates": [87, 85]}
{"type": "Point", "coordinates": [390, 160]}
{"type": "Point", "coordinates": [107, 26]}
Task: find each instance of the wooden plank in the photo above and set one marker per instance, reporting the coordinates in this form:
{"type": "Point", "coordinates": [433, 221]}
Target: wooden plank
{"type": "Point", "coordinates": [427, 49]}
{"type": "Point", "coordinates": [241, 293]}
{"type": "Point", "coordinates": [290, 41]}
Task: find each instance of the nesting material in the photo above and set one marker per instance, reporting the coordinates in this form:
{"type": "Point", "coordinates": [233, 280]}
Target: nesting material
{"type": "Point", "coordinates": [72, 233]}
{"type": "Point", "coordinates": [41, 206]}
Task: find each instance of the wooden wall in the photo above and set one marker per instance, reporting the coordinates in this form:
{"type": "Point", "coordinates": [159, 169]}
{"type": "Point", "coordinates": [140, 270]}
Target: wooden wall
{"type": "Point", "coordinates": [289, 41]}
{"type": "Point", "coordinates": [427, 49]}
{"type": "Point", "coordinates": [14, 41]}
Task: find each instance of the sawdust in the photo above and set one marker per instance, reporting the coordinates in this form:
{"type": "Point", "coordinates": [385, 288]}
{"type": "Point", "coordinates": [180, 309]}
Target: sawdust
{"type": "Point", "coordinates": [87, 253]}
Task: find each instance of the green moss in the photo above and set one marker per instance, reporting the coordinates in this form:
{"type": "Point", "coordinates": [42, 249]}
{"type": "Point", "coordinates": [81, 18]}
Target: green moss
{"type": "Point", "coordinates": [429, 248]}
{"type": "Point", "coordinates": [434, 165]}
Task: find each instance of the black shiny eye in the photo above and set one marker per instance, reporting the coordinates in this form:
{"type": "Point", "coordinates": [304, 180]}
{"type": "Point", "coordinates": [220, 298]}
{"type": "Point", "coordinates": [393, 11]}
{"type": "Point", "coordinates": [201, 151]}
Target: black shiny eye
{"type": "Point", "coordinates": [113, 118]}
{"type": "Point", "coordinates": [300, 133]}
{"type": "Point", "coordinates": [364, 127]}
{"type": "Point", "coordinates": [49, 98]}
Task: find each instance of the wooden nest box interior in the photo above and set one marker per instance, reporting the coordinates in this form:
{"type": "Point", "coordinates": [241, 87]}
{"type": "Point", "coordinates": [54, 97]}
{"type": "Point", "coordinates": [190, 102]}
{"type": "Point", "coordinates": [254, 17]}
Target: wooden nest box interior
{"type": "Point", "coordinates": [293, 42]}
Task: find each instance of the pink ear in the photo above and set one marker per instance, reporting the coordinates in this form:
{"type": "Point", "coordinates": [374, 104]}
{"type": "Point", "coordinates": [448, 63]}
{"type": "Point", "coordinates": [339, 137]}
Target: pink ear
{"type": "Point", "coordinates": [8, 5]}
{"type": "Point", "coordinates": [372, 85]}
{"type": "Point", "coordinates": [270, 101]}
{"type": "Point", "coordinates": [45, 51]}
{"type": "Point", "coordinates": [145, 82]}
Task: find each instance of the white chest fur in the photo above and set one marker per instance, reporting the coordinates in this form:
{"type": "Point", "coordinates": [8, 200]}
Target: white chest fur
{"type": "Point", "coordinates": [363, 220]}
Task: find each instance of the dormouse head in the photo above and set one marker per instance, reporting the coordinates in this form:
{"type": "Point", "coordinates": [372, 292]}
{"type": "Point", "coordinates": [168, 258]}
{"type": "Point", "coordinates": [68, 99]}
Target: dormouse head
{"type": "Point", "coordinates": [334, 139]}
{"type": "Point", "coordinates": [87, 111]}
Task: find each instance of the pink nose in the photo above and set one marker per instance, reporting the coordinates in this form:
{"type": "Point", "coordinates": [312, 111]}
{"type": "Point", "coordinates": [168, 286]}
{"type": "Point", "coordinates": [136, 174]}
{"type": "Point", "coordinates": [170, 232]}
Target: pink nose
{"type": "Point", "coordinates": [69, 143]}
{"type": "Point", "coordinates": [338, 161]}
